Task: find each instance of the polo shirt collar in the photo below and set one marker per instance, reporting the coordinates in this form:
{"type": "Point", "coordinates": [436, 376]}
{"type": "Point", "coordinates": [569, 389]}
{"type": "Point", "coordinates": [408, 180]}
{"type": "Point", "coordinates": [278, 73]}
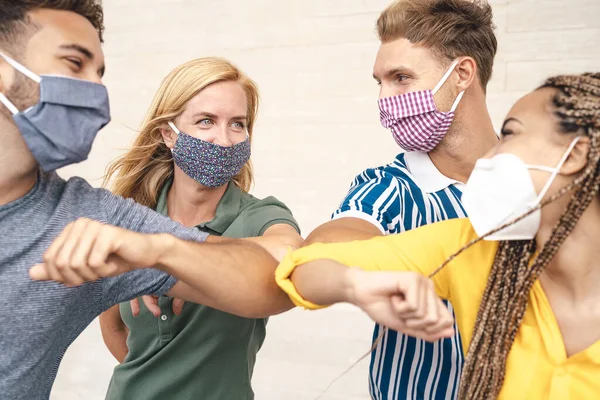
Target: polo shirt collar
{"type": "Point", "coordinates": [425, 173]}
{"type": "Point", "coordinates": [227, 209]}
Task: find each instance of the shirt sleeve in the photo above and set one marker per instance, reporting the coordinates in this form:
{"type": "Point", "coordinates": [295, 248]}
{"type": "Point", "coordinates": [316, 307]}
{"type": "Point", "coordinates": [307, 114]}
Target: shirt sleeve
{"type": "Point", "coordinates": [127, 214]}
{"type": "Point", "coordinates": [420, 250]}
{"type": "Point", "coordinates": [265, 213]}
{"type": "Point", "coordinates": [374, 196]}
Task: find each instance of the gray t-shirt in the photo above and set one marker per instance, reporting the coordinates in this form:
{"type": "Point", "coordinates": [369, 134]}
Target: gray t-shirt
{"type": "Point", "coordinates": [41, 319]}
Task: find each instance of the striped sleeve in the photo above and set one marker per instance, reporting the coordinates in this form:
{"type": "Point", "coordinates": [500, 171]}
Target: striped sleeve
{"type": "Point", "coordinates": [374, 196]}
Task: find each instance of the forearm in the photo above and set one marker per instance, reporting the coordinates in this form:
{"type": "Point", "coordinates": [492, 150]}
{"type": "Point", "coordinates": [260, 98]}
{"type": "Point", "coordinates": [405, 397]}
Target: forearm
{"type": "Point", "coordinates": [323, 282]}
{"type": "Point", "coordinates": [235, 276]}
{"type": "Point", "coordinates": [317, 275]}
{"type": "Point", "coordinates": [114, 334]}
{"type": "Point", "coordinates": [117, 345]}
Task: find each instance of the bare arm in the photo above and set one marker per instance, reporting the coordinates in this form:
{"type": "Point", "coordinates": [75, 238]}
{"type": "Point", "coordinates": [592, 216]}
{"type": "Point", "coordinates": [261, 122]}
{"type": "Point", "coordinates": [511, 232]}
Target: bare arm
{"type": "Point", "coordinates": [232, 275]}
{"type": "Point", "coordinates": [278, 240]}
{"type": "Point", "coordinates": [403, 301]}
{"type": "Point", "coordinates": [343, 230]}
{"type": "Point", "coordinates": [114, 333]}
{"type": "Point", "coordinates": [256, 258]}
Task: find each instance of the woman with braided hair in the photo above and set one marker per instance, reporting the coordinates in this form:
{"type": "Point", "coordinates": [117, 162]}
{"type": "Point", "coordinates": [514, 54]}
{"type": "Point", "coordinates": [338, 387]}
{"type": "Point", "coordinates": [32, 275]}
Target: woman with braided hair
{"type": "Point", "coordinates": [523, 272]}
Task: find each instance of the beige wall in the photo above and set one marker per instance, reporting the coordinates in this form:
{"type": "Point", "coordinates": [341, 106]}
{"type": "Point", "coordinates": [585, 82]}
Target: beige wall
{"type": "Point", "coordinates": [318, 127]}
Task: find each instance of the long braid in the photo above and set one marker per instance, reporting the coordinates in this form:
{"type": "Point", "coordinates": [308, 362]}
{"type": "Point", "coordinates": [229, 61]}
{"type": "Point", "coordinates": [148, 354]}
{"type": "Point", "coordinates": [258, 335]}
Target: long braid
{"type": "Point", "coordinates": [515, 270]}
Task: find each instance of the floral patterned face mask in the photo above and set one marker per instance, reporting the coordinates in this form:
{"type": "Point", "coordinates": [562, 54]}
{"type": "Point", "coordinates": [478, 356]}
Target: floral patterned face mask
{"type": "Point", "coordinates": [207, 163]}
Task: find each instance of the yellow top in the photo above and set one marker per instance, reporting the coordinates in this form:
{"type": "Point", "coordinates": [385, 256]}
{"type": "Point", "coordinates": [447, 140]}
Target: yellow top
{"type": "Point", "coordinates": [537, 365]}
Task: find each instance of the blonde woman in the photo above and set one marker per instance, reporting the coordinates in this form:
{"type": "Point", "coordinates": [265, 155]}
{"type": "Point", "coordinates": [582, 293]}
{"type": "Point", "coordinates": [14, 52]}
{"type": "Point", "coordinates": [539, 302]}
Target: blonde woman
{"type": "Point", "coordinates": [191, 161]}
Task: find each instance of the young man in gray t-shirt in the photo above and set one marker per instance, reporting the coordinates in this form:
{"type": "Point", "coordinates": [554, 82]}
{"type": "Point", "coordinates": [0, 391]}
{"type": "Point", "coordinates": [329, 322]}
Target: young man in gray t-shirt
{"type": "Point", "coordinates": [53, 104]}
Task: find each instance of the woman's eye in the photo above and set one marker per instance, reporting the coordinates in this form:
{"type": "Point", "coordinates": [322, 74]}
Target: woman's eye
{"type": "Point", "coordinates": [239, 125]}
{"type": "Point", "coordinates": [505, 132]}
{"type": "Point", "coordinates": [205, 121]}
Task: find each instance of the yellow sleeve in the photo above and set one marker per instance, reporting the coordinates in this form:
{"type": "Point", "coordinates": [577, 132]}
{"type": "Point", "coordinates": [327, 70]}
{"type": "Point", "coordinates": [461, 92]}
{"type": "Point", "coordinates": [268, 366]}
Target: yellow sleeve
{"type": "Point", "coordinates": [420, 250]}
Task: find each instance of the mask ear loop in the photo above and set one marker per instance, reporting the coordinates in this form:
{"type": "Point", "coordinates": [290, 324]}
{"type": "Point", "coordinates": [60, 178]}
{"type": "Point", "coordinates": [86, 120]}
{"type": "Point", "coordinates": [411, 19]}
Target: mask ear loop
{"type": "Point", "coordinates": [555, 171]}
{"type": "Point", "coordinates": [445, 77]}
{"type": "Point", "coordinates": [172, 125]}
{"type": "Point", "coordinates": [455, 104]}
{"type": "Point", "coordinates": [443, 80]}
{"type": "Point", "coordinates": [8, 104]}
{"type": "Point", "coordinates": [34, 77]}
{"type": "Point", "coordinates": [174, 128]}
{"type": "Point", "coordinates": [20, 68]}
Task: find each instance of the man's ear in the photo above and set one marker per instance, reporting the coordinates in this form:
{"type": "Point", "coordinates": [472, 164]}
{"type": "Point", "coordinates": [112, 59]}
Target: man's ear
{"type": "Point", "coordinates": [467, 73]}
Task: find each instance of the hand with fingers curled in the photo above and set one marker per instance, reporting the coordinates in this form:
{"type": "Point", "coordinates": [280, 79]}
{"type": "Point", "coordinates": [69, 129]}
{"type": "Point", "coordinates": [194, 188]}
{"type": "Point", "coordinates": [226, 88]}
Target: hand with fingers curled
{"type": "Point", "coordinates": [403, 301]}
{"type": "Point", "coordinates": [88, 250]}
{"type": "Point", "coordinates": [151, 303]}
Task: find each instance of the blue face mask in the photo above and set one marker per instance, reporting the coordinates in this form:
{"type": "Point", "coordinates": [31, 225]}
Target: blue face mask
{"type": "Point", "coordinates": [59, 130]}
{"type": "Point", "coordinates": [207, 163]}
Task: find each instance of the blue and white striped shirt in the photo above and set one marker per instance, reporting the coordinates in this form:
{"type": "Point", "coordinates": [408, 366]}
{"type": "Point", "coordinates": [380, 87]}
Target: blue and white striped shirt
{"type": "Point", "coordinates": [405, 194]}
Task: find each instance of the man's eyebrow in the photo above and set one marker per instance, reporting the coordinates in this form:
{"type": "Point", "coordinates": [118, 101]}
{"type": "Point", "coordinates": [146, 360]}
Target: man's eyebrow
{"type": "Point", "coordinates": [86, 53]}
{"type": "Point", "coordinates": [396, 71]}
{"type": "Point", "coordinates": [81, 49]}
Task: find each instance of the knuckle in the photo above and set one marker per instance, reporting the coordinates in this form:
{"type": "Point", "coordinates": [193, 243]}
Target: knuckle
{"type": "Point", "coordinates": [411, 307]}
{"type": "Point", "coordinates": [95, 263]}
{"type": "Point", "coordinates": [77, 266]}
{"type": "Point", "coordinates": [61, 264]}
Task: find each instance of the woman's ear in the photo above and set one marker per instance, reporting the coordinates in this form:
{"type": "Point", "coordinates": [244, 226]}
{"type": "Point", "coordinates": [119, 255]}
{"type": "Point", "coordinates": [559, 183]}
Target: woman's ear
{"type": "Point", "coordinates": [169, 137]}
{"type": "Point", "coordinates": [578, 158]}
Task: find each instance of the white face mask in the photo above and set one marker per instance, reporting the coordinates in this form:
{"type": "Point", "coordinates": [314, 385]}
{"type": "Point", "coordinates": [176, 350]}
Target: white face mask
{"type": "Point", "coordinates": [500, 190]}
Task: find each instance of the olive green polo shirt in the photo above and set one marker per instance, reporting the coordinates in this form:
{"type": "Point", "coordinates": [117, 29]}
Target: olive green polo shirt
{"type": "Point", "coordinates": [203, 354]}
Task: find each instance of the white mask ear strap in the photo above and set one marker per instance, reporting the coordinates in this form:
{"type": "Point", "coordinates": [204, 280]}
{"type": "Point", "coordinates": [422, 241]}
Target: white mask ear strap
{"type": "Point", "coordinates": [172, 125]}
{"type": "Point", "coordinates": [557, 169]}
{"type": "Point", "coordinates": [540, 168]}
{"type": "Point", "coordinates": [21, 68]}
{"type": "Point", "coordinates": [11, 107]}
{"type": "Point", "coordinates": [445, 77]}
{"type": "Point", "coordinates": [460, 95]}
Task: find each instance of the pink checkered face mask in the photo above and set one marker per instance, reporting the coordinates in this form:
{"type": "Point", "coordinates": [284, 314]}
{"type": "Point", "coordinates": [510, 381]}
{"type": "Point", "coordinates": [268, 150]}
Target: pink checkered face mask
{"type": "Point", "coordinates": [413, 118]}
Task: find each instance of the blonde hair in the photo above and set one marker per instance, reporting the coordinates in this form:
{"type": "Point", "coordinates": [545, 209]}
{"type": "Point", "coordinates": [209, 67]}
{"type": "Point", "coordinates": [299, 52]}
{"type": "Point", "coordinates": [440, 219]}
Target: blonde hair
{"type": "Point", "coordinates": [142, 171]}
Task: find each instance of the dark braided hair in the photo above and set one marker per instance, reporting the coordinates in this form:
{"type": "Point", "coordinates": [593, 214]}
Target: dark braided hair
{"type": "Point", "coordinates": [515, 269]}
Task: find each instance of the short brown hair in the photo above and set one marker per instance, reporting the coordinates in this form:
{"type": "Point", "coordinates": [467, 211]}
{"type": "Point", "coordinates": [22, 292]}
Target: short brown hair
{"type": "Point", "coordinates": [451, 28]}
{"type": "Point", "coordinates": [15, 25]}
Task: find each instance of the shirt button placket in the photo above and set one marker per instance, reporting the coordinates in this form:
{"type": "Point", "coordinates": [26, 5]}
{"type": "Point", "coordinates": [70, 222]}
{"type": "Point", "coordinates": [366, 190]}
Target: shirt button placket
{"type": "Point", "coordinates": [164, 321]}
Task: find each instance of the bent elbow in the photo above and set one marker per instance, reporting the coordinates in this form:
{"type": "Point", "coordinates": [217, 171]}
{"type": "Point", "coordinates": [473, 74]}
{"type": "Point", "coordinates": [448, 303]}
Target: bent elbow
{"type": "Point", "coordinates": [268, 307]}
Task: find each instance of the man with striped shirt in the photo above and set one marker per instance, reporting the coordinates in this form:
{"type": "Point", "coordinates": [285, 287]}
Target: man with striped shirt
{"type": "Point", "coordinates": [447, 46]}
